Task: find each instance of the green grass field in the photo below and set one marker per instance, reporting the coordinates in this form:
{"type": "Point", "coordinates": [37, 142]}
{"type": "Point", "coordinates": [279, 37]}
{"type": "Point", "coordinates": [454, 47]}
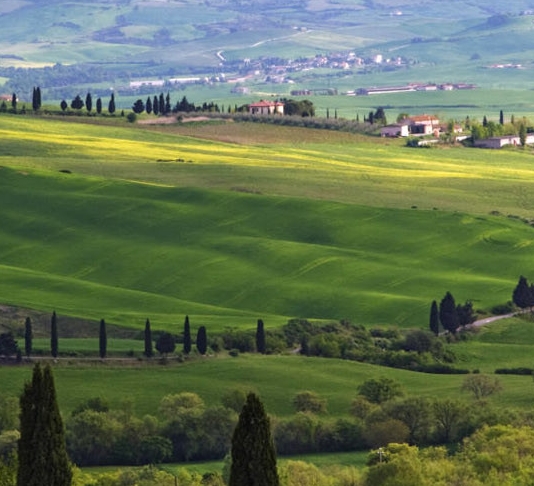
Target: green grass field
{"type": "Point", "coordinates": [131, 233]}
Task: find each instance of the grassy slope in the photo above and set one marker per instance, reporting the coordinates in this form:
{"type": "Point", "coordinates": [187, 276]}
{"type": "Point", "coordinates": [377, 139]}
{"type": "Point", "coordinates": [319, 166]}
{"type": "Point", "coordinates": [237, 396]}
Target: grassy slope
{"type": "Point", "coordinates": [276, 379]}
{"type": "Point", "coordinates": [244, 256]}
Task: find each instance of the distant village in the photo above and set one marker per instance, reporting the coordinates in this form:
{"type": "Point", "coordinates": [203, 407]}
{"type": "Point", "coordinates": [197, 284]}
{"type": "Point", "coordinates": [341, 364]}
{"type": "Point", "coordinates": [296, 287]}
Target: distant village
{"type": "Point", "coordinates": [280, 71]}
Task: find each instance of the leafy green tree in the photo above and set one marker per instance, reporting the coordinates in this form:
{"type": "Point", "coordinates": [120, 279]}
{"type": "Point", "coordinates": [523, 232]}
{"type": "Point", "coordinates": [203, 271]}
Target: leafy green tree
{"type": "Point", "coordinates": [380, 433]}
{"type": "Point", "coordinates": [53, 336]}
{"type": "Point", "coordinates": [202, 340]}
{"type": "Point", "coordinates": [77, 103]}
{"type": "Point", "coordinates": [448, 314]}
{"type": "Point", "coordinates": [28, 336]}
{"type": "Point", "coordinates": [99, 105]}
{"type": "Point", "coordinates": [88, 102]}
{"type": "Point", "coordinates": [149, 351]}
{"type": "Point", "coordinates": [260, 337]}
{"type": "Point", "coordinates": [138, 107]}
{"type": "Point", "coordinates": [9, 413]}
{"type": "Point", "coordinates": [309, 401]}
{"type": "Point", "coordinates": [380, 390]}
{"type": "Point", "coordinates": [234, 399]}
{"type": "Point", "coordinates": [466, 314]}
{"type": "Point", "coordinates": [448, 415]}
{"type": "Point", "coordinates": [102, 339]}
{"type": "Point", "coordinates": [42, 452]}
{"type": "Point", "coordinates": [111, 104]}
{"type": "Point", "coordinates": [165, 344]}
{"type": "Point", "coordinates": [187, 336]}
{"type": "Point", "coordinates": [522, 295]}
{"type": "Point", "coordinates": [253, 454]}
{"type": "Point", "coordinates": [8, 345]}
{"type": "Point", "coordinates": [416, 414]}
{"type": "Point", "coordinates": [481, 386]}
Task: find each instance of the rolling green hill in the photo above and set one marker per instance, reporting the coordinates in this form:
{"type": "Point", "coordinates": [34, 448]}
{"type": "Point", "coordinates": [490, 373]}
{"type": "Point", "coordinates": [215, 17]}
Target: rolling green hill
{"type": "Point", "coordinates": [129, 233]}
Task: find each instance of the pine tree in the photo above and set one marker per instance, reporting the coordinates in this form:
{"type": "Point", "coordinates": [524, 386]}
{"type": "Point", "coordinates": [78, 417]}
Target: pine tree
{"type": "Point", "coordinates": [253, 454]}
{"type": "Point", "coordinates": [89, 102]}
{"type": "Point", "coordinates": [28, 336]}
{"type": "Point", "coordinates": [434, 318]}
{"type": "Point", "coordinates": [448, 314]}
{"type": "Point", "coordinates": [103, 339]}
{"type": "Point", "coordinates": [149, 350]}
{"type": "Point", "coordinates": [111, 105]}
{"type": "Point", "coordinates": [260, 337]}
{"type": "Point", "coordinates": [53, 336]}
{"type": "Point", "coordinates": [42, 453]}
{"type": "Point", "coordinates": [187, 336]}
{"type": "Point", "coordinates": [202, 340]}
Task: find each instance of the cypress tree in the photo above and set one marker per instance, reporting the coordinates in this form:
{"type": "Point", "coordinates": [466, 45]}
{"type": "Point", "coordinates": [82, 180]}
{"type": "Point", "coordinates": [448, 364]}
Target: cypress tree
{"type": "Point", "coordinates": [162, 104]}
{"type": "Point", "coordinates": [155, 106]}
{"type": "Point", "coordinates": [28, 336]}
{"type": "Point", "coordinates": [35, 106]}
{"type": "Point", "coordinates": [149, 350]}
{"type": "Point", "coordinates": [111, 105]}
{"type": "Point", "coordinates": [522, 295]}
{"type": "Point", "coordinates": [187, 336]}
{"type": "Point", "coordinates": [99, 105]}
{"type": "Point", "coordinates": [88, 102]}
{"type": "Point", "coordinates": [103, 339]}
{"type": "Point", "coordinates": [202, 340]}
{"type": "Point", "coordinates": [253, 454]}
{"type": "Point", "coordinates": [501, 117]}
{"type": "Point", "coordinates": [434, 318]}
{"type": "Point", "coordinates": [63, 105]}
{"type": "Point", "coordinates": [260, 337]}
{"type": "Point", "coordinates": [42, 453]}
{"type": "Point", "coordinates": [448, 314]}
{"type": "Point", "coordinates": [14, 101]}
{"type": "Point", "coordinates": [148, 105]}
{"type": "Point", "coordinates": [53, 336]}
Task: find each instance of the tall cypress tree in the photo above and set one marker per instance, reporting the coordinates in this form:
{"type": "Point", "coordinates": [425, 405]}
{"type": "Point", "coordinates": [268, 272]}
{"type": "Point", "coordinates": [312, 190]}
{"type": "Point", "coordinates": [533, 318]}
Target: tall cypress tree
{"type": "Point", "coordinates": [253, 454]}
{"type": "Point", "coordinates": [155, 106]}
{"type": "Point", "coordinates": [42, 453]}
{"type": "Point", "coordinates": [149, 350]}
{"type": "Point", "coordinates": [99, 105]}
{"type": "Point", "coordinates": [88, 102]}
{"type": "Point", "coordinates": [260, 337]}
{"type": "Point", "coordinates": [448, 314]}
{"type": "Point", "coordinates": [187, 336]}
{"type": "Point", "coordinates": [434, 318]}
{"type": "Point", "coordinates": [103, 339]}
{"type": "Point", "coordinates": [53, 336]}
{"type": "Point", "coordinates": [202, 340]}
{"type": "Point", "coordinates": [111, 105]}
{"type": "Point", "coordinates": [28, 337]}
{"type": "Point", "coordinates": [162, 104]}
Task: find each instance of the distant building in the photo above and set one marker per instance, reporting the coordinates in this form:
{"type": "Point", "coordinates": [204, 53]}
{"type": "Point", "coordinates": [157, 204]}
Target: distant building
{"type": "Point", "coordinates": [266, 108]}
{"type": "Point", "coordinates": [499, 142]}
{"type": "Point", "coordinates": [418, 125]}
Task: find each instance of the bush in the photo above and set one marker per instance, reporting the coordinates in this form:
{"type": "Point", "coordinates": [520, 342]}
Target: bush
{"type": "Point", "coordinates": [513, 371]}
{"type": "Point", "coordinates": [132, 117]}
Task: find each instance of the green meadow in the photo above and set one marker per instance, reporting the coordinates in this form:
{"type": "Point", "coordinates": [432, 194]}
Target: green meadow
{"type": "Point", "coordinates": [125, 223]}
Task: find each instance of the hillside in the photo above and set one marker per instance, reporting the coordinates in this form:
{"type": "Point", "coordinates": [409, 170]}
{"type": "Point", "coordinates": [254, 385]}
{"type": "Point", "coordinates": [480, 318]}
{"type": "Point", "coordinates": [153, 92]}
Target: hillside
{"type": "Point", "coordinates": [128, 223]}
